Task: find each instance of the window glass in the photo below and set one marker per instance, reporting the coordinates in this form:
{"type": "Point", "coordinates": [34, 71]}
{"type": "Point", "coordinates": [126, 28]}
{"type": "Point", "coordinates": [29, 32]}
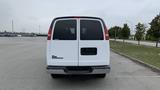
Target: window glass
{"type": "Point", "coordinates": [65, 30]}
{"type": "Point", "coordinates": [91, 30]}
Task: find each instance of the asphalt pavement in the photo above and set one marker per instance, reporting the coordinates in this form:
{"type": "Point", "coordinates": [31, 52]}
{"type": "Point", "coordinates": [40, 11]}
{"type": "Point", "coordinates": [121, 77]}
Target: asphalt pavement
{"type": "Point", "coordinates": [23, 67]}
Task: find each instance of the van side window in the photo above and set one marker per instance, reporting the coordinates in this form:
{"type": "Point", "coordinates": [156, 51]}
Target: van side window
{"type": "Point", "coordinates": [91, 30]}
{"type": "Point", "coordinates": [65, 30]}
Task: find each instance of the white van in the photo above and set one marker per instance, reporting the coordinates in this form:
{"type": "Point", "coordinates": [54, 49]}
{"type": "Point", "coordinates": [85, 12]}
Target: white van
{"type": "Point", "coordinates": [78, 45]}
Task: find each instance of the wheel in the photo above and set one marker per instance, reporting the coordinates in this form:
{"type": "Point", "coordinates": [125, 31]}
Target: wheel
{"type": "Point", "coordinates": [101, 75]}
{"type": "Point", "coordinates": [55, 75]}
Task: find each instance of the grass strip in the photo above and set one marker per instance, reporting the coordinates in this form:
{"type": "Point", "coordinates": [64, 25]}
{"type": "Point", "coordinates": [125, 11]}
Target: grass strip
{"type": "Point", "coordinates": [147, 54]}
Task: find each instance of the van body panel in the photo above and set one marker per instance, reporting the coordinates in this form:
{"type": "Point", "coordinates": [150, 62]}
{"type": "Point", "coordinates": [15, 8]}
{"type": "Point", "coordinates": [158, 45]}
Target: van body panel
{"type": "Point", "coordinates": [93, 41]}
{"type": "Point", "coordinates": [102, 56]}
{"type": "Point", "coordinates": [63, 52]}
{"type": "Point", "coordinates": [78, 42]}
{"type": "Point", "coordinates": [66, 53]}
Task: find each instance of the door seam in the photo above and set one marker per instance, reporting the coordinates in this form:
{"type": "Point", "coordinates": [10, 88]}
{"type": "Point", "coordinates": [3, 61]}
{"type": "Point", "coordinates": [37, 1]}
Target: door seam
{"type": "Point", "coordinates": [78, 30]}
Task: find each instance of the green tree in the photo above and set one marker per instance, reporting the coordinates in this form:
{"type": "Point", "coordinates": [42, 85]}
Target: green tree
{"type": "Point", "coordinates": [111, 32]}
{"type": "Point", "coordinates": [125, 32]}
{"type": "Point", "coordinates": [114, 32]}
{"type": "Point", "coordinates": [140, 31]}
{"type": "Point", "coordinates": [155, 29]}
{"type": "Point", "coordinates": [148, 35]}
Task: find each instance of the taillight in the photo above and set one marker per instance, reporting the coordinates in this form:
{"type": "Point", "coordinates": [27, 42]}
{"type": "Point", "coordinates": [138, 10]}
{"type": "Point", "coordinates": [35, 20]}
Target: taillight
{"type": "Point", "coordinates": [49, 34]}
{"type": "Point", "coordinates": [106, 33]}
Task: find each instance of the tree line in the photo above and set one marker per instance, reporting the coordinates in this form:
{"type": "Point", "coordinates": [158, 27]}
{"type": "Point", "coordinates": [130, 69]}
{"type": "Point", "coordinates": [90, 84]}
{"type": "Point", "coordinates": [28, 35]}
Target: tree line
{"type": "Point", "coordinates": [142, 33]}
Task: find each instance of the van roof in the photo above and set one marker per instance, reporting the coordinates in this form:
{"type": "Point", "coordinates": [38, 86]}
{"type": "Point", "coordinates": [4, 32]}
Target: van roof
{"type": "Point", "coordinates": [91, 17]}
{"type": "Point", "coordinates": [78, 17]}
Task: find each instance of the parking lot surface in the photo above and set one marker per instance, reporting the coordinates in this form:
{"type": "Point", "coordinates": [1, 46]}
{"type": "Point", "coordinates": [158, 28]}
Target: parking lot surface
{"type": "Point", "coordinates": [23, 67]}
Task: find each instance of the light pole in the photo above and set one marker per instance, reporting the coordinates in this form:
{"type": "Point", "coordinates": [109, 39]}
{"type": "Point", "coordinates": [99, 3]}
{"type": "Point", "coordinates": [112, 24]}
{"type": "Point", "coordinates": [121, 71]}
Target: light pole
{"type": "Point", "coordinates": [39, 29]}
{"type": "Point", "coordinates": [12, 26]}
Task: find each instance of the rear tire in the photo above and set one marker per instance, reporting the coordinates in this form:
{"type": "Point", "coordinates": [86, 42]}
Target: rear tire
{"type": "Point", "coordinates": [101, 75]}
{"type": "Point", "coordinates": [55, 75]}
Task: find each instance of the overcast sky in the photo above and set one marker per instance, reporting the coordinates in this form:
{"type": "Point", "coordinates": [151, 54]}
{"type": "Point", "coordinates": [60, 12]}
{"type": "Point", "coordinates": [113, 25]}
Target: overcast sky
{"type": "Point", "coordinates": [29, 14]}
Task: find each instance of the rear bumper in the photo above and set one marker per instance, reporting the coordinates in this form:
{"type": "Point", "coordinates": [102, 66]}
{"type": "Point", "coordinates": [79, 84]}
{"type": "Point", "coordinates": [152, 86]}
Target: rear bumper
{"type": "Point", "coordinates": [78, 69]}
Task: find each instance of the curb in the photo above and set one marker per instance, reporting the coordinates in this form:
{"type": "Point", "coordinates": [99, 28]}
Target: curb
{"type": "Point", "coordinates": [153, 68]}
{"type": "Point", "coordinates": [135, 43]}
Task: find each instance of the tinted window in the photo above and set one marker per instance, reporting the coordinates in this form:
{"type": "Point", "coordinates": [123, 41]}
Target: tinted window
{"type": "Point", "coordinates": [65, 30]}
{"type": "Point", "coordinates": [91, 30]}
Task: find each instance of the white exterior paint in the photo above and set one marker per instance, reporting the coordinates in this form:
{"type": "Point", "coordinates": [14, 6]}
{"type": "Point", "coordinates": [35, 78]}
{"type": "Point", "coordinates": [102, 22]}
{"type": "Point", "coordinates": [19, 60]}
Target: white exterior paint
{"type": "Point", "coordinates": [70, 50]}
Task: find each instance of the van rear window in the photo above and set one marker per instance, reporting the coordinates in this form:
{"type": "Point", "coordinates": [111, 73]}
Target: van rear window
{"type": "Point", "coordinates": [91, 30]}
{"type": "Point", "coordinates": [65, 30]}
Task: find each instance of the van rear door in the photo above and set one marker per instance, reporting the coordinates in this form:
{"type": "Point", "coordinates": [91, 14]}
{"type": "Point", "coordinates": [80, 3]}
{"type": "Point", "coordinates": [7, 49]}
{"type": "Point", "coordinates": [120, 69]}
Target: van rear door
{"type": "Point", "coordinates": [93, 48]}
{"type": "Point", "coordinates": [63, 48]}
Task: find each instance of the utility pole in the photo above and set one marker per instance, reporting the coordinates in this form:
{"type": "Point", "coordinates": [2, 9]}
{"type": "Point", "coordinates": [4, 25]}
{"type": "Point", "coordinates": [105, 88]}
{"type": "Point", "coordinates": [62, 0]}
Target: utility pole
{"type": "Point", "coordinates": [39, 29]}
{"type": "Point", "coordinates": [12, 26]}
